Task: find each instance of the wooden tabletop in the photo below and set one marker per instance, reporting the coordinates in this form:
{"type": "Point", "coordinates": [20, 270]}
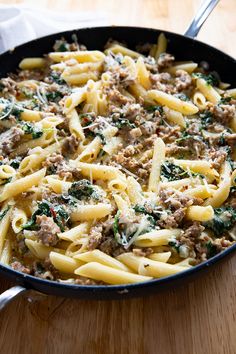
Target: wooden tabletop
{"type": "Point", "coordinates": [199, 318]}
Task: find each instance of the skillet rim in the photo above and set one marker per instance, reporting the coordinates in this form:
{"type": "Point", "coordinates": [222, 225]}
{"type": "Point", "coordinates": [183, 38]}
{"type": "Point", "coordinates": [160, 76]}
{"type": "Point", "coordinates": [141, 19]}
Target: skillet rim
{"type": "Point", "coordinates": [29, 280]}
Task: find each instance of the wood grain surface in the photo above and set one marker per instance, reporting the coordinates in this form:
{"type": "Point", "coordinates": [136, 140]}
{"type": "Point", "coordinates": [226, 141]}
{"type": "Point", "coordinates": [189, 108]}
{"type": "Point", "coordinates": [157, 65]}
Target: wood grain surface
{"type": "Point", "coordinates": [199, 318]}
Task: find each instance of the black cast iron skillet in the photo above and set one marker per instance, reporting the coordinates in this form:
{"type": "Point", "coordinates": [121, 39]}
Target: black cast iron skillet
{"type": "Point", "coordinates": [183, 48]}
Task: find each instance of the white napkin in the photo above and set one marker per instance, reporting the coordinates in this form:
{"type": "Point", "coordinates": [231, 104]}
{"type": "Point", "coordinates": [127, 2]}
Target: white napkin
{"type": "Point", "coordinates": [19, 24]}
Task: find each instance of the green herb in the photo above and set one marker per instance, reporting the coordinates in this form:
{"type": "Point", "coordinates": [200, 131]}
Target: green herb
{"type": "Point", "coordinates": [15, 163]}
{"type": "Point", "coordinates": [206, 118]}
{"type": "Point", "coordinates": [211, 79]}
{"type": "Point", "coordinates": [223, 220]}
{"type": "Point", "coordinates": [225, 100]}
{"type": "Point", "coordinates": [123, 122]}
{"type": "Point", "coordinates": [58, 213]}
{"type": "Point", "coordinates": [116, 224]}
{"type": "Point", "coordinates": [154, 213]}
{"type": "Point", "coordinates": [56, 77]}
{"type": "Point", "coordinates": [186, 136]}
{"type": "Point", "coordinates": [174, 244]}
{"type": "Point", "coordinates": [83, 190]}
{"type": "Point", "coordinates": [3, 213]}
{"type": "Point", "coordinates": [173, 172]}
{"type": "Point", "coordinates": [181, 96]}
{"type": "Point", "coordinates": [54, 96]}
{"type": "Point", "coordinates": [30, 128]}
{"type": "Point", "coordinates": [154, 109]}
{"type": "Point", "coordinates": [211, 249]}
{"type": "Point", "coordinates": [101, 136]}
{"type": "Point", "coordinates": [61, 45]}
{"type": "Point", "coordinates": [61, 216]}
{"type": "Point", "coordinates": [222, 141]}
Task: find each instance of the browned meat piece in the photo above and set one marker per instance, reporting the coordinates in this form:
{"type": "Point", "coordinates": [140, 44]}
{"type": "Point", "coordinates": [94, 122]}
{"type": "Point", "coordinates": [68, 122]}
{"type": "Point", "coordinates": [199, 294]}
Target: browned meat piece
{"type": "Point", "coordinates": [95, 237]}
{"type": "Point", "coordinates": [115, 96]}
{"type": "Point", "coordinates": [217, 157]}
{"type": "Point", "coordinates": [9, 139]}
{"type": "Point", "coordinates": [48, 230]}
{"type": "Point", "coordinates": [9, 86]}
{"type": "Point", "coordinates": [174, 149]}
{"type": "Point", "coordinates": [193, 231]}
{"type": "Point", "coordinates": [183, 80]}
{"type": "Point", "coordinates": [165, 60]}
{"type": "Point", "coordinates": [20, 267]}
{"type": "Point", "coordinates": [135, 133]}
{"type": "Point", "coordinates": [176, 200]}
{"type": "Point", "coordinates": [70, 145]}
{"type": "Point", "coordinates": [173, 220]}
{"type": "Point", "coordinates": [58, 165]}
{"type": "Point", "coordinates": [224, 113]}
{"type": "Point", "coordinates": [162, 82]}
{"type": "Point", "coordinates": [110, 246]}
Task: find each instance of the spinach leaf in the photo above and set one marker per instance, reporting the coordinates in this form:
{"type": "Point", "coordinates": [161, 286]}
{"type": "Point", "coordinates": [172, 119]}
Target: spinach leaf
{"type": "Point", "coordinates": [211, 79]}
{"type": "Point", "coordinates": [58, 213]}
{"type": "Point", "coordinates": [15, 163]}
{"type": "Point", "coordinates": [123, 122]}
{"type": "Point", "coordinates": [223, 220]}
{"type": "Point", "coordinates": [173, 172]}
{"type": "Point", "coordinates": [206, 118]}
{"type": "Point", "coordinates": [54, 96]}
{"type": "Point", "coordinates": [83, 189]}
{"type": "Point", "coordinates": [211, 249]}
{"type": "Point", "coordinates": [30, 128]}
{"type": "Point", "coordinates": [3, 213]}
{"type": "Point", "coordinates": [56, 77]}
{"type": "Point", "coordinates": [155, 108]}
{"type": "Point", "coordinates": [116, 224]}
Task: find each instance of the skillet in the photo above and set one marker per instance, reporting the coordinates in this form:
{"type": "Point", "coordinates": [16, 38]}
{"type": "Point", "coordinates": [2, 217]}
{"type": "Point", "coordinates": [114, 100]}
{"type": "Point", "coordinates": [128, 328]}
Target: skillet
{"type": "Point", "coordinates": [183, 48]}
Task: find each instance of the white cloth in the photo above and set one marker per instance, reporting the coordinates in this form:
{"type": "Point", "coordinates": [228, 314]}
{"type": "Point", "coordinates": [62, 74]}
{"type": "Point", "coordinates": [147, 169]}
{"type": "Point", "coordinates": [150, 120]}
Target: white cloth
{"type": "Point", "coordinates": [19, 24]}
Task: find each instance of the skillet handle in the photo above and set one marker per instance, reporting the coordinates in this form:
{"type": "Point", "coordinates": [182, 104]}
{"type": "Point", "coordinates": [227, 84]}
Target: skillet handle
{"type": "Point", "coordinates": [200, 17]}
{"type": "Point", "coordinates": [10, 295]}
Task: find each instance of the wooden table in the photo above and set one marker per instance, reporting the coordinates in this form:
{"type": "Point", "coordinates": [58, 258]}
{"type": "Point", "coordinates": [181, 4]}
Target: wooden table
{"type": "Point", "coordinates": [199, 318]}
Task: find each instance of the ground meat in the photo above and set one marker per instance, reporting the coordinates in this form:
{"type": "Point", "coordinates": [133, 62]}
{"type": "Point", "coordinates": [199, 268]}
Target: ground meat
{"type": "Point", "coordinates": [110, 246]}
{"type": "Point", "coordinates": [165, 60]}
{"type": "Point", "coordinates": [135, 133]}
{"type": "Point", "coordinates": [183, 80]}
{"type": "Point", "coordinates": [9, 139]}
{"type": "Point", "coordinates": [20, 267]}
{"type": "Point", "coordinates": [9, 86]}
{"type": "Point", "coordinates": [56, 164]}
{"type": "Point", "coordinates": [168, 133]}
{"type": "Point", "coordinates": [95, 237]}
{"type": "Point", "coordinates": [224, 113]}
{"type": "Point", "coordinates": [194, 231]}
{"type": "Point", "coordinates": [115, 96]}
{"type": "Point", "coordinates": [176, 200]}
{"type": "Point", "coordinates": [231, 139]}
{"type": "Point", "coordinates": [45, 270]}
{"type": "Point", "coordinates": [173, 220]}
{"type": "Point", "coordinates": [48, 230]}
{"type": "Point", "coordinates": [161, 81]}
{"type": "Point", "coordinates": [69, 145]}
{"type": "Point", "coordinates": [218, 157]}
{"type": "Point", "coordinates": [174, 149]}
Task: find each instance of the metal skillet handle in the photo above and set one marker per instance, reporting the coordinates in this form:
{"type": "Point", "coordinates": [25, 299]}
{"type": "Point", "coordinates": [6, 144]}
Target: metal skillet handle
{"type": "Point", "coordinates": [200, 18]}
{"type": "Point", "coordinates": [10, 295]}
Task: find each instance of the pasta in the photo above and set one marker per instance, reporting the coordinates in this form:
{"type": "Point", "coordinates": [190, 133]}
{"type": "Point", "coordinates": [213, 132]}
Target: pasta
{"type": "Point", "coordinates": [115, 167]}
